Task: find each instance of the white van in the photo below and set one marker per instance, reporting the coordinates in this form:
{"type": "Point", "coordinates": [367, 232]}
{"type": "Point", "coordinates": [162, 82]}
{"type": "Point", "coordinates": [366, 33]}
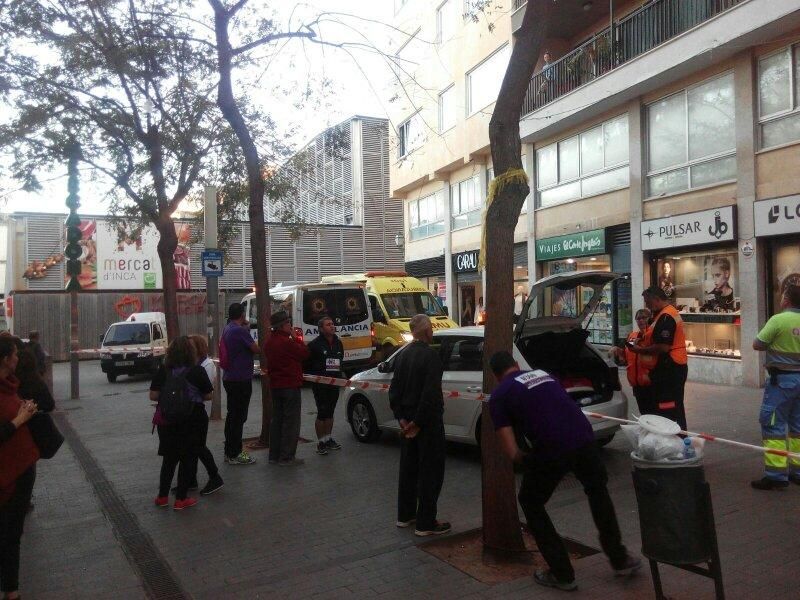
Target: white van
{"type": "Point", "coordinates": [136, 345]}
{"type": "Point", "coordinates": [346, 304]}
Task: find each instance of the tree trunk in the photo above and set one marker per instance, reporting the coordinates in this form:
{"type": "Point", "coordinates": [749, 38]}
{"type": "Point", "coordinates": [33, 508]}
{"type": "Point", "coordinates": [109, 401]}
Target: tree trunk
{"type": "Point", "coordinates": [258, 239]}
{"type": "Point", "coordinates": [167, 244]}
{"type": "Point", "coordinates": [500, 515]}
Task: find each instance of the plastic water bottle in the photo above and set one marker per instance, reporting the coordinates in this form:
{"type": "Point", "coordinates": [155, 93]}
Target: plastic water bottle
{"type": "Point", "coordinates": [688, 450]}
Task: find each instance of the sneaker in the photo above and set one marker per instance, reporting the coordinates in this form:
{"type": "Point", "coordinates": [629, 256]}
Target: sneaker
{"type": "Point", "coordinates": [766, 483]}
{"type": "Point", "coordinates": [212, 486]}
{"type": "Point", "coordinates": [185, 503]}
{"type": "Point", "coordinates": [162, 501]}
{"type": "Point", "coordinates": [191, 488]}
{"type": "Point", "coordinates": [293, 462]}
{"type": "Point", "coordinates": [322, 448]}
{"type": "Point", "coordinates": [440, 528]}
{"type": "Point", "coordinates": [547, 579]}
{"type": "Point", "coordinates": [404, 524]}
{"type": "Point", "coordinates": [332, 444]}
{"type": "Point", "coordinates": [629, 567]}
{"type": "Point", "coordinates": [243, 459]}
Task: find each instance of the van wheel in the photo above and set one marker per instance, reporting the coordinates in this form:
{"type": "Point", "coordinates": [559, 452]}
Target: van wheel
{"type": "Point", "coordinates": [112, 377]}
{"type": "Point", "coordinates": [605, 441]}
{"type": "Point", "coordinates": [362, 420]}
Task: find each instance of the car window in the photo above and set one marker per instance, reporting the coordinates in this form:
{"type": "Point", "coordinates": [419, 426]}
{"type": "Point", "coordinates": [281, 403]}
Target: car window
{"type": "Point", "coordinates": [346, 306]}
{"type": "Point", "coordinates": [405, 306]}
{"type": "Point", "coordinates": [157, 335]}
{"type": "Point", "coordinates": [127, 333]}
{"type": "Point", "coordinates": [461, 353]}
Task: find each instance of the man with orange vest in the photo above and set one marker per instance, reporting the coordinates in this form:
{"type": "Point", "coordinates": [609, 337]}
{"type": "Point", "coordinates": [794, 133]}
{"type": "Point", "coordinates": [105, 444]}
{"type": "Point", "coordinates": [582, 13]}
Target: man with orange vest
{"type": "Point", "coordinates": [668, 344]}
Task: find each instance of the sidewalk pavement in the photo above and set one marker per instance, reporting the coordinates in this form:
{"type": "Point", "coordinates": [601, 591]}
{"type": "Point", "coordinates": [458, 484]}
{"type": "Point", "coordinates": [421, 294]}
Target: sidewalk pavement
{"type": "Point", "coordinates": [326, 529]}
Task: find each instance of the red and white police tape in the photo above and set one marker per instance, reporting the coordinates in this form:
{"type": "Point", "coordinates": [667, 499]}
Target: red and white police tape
{"type": "Point", "coordinates": [383, 387]}
{"type": "Point", "coordinates": [157, 351]}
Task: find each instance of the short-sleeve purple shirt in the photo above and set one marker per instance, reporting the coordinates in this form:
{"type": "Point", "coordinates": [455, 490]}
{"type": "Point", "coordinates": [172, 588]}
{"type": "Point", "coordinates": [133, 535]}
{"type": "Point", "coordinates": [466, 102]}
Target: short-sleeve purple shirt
{"type": "Point", "coordinates": [238, 342]}
{"type": "Point", "coordinates": [546, 414]}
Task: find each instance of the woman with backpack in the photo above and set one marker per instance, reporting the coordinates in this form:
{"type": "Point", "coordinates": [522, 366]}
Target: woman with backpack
{"type": "Point", "coordinates": [180, 387]}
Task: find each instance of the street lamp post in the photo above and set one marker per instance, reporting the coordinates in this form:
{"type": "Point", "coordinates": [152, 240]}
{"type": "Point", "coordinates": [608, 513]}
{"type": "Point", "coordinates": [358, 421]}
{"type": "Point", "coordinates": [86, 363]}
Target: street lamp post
{"type": "Point", "coordinates": [73, 252]}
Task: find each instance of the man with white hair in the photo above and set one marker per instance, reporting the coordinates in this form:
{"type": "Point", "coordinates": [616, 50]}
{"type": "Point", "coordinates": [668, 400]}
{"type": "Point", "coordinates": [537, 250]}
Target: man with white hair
{"type": "Point", "coordinates": [415, 396]}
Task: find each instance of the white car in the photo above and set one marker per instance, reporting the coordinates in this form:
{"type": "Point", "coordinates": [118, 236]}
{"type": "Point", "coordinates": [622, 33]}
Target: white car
{"type": "Point", "coordinates": [551, 334]}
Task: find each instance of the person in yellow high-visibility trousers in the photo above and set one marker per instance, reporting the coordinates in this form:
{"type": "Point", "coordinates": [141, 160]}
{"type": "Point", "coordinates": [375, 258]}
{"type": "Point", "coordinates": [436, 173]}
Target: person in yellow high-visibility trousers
{"type": "Point", "coordinates": [780, 409]}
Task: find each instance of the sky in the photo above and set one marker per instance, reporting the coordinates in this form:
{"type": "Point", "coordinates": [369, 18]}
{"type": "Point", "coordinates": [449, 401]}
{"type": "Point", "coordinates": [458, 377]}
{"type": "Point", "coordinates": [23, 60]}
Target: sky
{"type": "Point", "coordinates": [358, 79]}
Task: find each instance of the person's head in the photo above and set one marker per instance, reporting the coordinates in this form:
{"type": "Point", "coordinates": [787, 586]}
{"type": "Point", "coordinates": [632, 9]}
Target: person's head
{"type": "Point", "coordinates": [33, 336]}
{"type": "Point", "coordinates": [181, 353]}
{"type": "Point", "coordinates": [200, 346]}
{"type": "Point", "coordinates": [281, 321]}
{"type": "Point", "coordinates": [547, 56]}
{"type": "Point", "coordinates": [667, 268]}
{"type": "Point", "coordinates": [654, 298]}
{"type": "Point", "coordinates": [27, 369]}
{"type": "Point", "coordinates": [8, 355]}
{"type": "Point", "coordinates": [421, 328]}
{"type": "Point", "coordinates": [326, 326]}
{"type": "Point", "coordinates": [642, 318]}
{"type": "Point", "coordinates": [791, 297]}
{"type": "Point", "coordinates": [501, 363]}
{"type": "Point", "coordinates": [236, 312]}
{"type": "Point", "coordinates": [720, 271]}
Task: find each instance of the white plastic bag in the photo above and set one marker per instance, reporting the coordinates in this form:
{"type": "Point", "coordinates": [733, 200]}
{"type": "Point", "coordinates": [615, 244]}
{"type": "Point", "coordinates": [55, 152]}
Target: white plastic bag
{"type": "Point", "coordinates": [632, 433]}
{"type": "Point", "coordinates": [657, 447]}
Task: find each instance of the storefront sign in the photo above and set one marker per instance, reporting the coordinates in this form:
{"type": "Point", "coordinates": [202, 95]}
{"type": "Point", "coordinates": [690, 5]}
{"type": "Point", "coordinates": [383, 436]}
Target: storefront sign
{"type": "Point", "coordinates": [778, 216]}
{"type": "Point", "coordinates": [465, 262]}
{"type": "Point", "coordinates": [574, 244]}
{"type": "Point", "coordinates": [704, 227]}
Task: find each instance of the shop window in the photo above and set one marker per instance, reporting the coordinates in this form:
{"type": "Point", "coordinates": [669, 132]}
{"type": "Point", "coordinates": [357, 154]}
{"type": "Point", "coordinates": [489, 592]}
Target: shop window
{"type": "Point", "coordinates": [483, 82]}
{"type": "Point", "coordinates": [703, 286]}
{"type": "Point", "coordinates": [426, 216]}
{"type": "Point", "coordinates": [785, 270]}
{"type": "Point", "coordinates": [691, 138]}
{"type": "Point", "coordinates": [466, 202]}
{"type": "Point", "coordinates": [591, 163]}
{"type": "Point", "coordinates": [779, 97]}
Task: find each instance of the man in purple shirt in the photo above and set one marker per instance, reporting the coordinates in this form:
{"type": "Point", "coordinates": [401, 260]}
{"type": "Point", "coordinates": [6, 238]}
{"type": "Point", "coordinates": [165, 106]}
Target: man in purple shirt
{"type": "Point", "coordinates": [237, 379]}
{"type": "Point", "coordinates": [536, 406]}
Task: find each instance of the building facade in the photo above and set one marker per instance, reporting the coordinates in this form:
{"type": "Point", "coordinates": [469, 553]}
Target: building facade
{"type": "Point", "coordinates": [662, 141]}
{"type": "Point", "coordinates": [353, 231]}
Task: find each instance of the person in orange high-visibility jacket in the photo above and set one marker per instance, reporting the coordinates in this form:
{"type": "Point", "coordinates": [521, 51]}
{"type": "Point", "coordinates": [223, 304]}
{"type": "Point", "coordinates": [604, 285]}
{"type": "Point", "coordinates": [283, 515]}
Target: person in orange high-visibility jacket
{"type": "Point", "coordinates": [639, 365]}
{"type": "Point", "coordinates": [667, 343]}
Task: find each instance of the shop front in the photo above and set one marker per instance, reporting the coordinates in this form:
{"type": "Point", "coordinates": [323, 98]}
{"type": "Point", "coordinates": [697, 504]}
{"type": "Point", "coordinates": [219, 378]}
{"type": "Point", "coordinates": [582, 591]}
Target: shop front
{"type": "Point", "coordinates": [693, 257]}
{"type": "Point", "coordinates": [469, 286]}
{"type": "Point", "coordinates": [595, 250]}
{"type": "Point", "coordinates": [778, 220]}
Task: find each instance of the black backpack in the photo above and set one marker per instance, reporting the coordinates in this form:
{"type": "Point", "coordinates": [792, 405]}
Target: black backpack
{"type": "Point", "coordinates": [174, 400]}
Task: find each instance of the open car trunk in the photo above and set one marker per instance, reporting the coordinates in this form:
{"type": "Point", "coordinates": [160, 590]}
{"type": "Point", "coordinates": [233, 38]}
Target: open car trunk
{"type": "Point", "coordinates": [552, 331]}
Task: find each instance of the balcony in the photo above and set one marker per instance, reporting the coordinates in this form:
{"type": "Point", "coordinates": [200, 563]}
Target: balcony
{"type": "Point", "coordinates": [639, 32]}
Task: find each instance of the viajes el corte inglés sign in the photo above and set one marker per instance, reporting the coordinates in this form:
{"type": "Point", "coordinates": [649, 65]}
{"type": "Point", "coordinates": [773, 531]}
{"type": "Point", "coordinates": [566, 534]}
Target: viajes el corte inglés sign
{"type": "Point", "coordinates": [703, 227]}
{"type": "Point", "coordinates": [584, 243]}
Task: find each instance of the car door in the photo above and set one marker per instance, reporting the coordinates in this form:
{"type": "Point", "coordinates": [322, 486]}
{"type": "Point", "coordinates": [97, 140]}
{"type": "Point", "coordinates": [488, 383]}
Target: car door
{"type": "Point", "coordinates": [462, 359]}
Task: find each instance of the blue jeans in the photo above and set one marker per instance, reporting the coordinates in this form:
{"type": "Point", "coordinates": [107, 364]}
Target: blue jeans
{"type": "Point", "coordinates": [780, 411]}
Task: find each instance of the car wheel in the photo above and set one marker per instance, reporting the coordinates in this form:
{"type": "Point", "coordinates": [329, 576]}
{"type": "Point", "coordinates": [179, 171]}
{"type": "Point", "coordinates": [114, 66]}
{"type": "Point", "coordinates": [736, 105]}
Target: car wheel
{"type": "Point", "coordinates": [605, 441]}
{"type": "Point", "coordinates": [112, 377]}
{"type": "Point", "coordinates": [362, 420]}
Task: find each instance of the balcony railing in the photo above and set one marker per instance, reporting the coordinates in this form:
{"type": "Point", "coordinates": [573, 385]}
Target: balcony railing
{"type": "Point", "coordinates": [642, 30]}
{"type": "Point", "coordinates": [519, 4]}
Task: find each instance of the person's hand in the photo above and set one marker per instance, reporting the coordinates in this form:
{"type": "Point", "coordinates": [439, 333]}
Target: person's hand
{"type": "Point", "coordinates": [25, 412]}
{"type": "Point", "coordinates": [410, 430]}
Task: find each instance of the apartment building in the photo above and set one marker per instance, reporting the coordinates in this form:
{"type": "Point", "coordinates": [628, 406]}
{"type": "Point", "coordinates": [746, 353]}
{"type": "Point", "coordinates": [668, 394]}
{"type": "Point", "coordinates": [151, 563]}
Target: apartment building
{"type": "Point", "coordinates": [663, 142]}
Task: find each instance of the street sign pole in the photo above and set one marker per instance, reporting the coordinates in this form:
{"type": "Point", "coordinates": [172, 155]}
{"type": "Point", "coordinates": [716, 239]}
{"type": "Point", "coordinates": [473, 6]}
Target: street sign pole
{"type": "Point", "coordinates": [212, 293]}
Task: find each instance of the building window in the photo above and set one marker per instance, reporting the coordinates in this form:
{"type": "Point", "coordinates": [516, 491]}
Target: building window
{"type": "Point", "coordinates": [691, 138]}
{"type": "Point", "coordinates": [590, 163]}
{"type": "Point", "coordinates": [483, 82]}
{"type": "Point", "coordinates": [779, 97]}
{"type": "Point", "coordinates": [426, 216]}
{"type": "Point", "coordinates": [447, 109]}
{"type": "Point", "coordinates": [466, 202]}
{"type": "Point", "coordinates": [446, 20]}
{"type": "Point", "coordinates": [410, 135]}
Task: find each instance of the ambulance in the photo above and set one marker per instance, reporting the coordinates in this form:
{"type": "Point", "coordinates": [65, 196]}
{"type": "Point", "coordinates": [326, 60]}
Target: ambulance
{"type": "Point", "coordinates": [394, 298]}
{"type": "Point", "coordinates": [345, 303]}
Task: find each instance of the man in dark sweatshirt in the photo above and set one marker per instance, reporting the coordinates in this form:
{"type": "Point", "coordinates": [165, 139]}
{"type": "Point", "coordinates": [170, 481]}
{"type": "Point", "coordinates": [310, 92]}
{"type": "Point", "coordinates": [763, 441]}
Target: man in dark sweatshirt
{"type": "Point", "coordinates": [415, 396]}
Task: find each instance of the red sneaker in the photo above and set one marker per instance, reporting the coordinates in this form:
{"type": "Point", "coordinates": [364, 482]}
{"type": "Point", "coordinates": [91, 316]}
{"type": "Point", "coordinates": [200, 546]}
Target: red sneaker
{"type": "Point", "coordinates": [162, 500]}
{"type": "Point", "coordinates": [181, 504]}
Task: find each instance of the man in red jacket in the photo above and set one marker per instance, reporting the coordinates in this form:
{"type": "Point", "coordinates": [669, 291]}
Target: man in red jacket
{"type": "Point", "coordinates": [284, 356]}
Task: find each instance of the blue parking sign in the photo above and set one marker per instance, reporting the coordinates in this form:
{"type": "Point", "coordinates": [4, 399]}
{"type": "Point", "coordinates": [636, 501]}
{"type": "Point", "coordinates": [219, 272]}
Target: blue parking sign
{"type": "Point", "coordinates": [212, 263]}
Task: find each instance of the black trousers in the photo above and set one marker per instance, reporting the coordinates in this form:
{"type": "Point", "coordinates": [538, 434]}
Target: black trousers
{"type": "Point", "coordinates": [204, 456]}
{"type": "Point", "coordinates": [326, 397]}
{"type": "Point", "coordinates": [12, 520]}
{"type": "Point", "coordinates": [187, 469]}
{"type": "Point", "coordinates": [238, 397]}
{"type": "Point", "coordinates": [538, 483]}
{"type": "Point", "coordinates": [421, 476]}
{"type": "Point", "coordinates": [284, 429]}
{"type": "Point", "coordinates": [666, 395]}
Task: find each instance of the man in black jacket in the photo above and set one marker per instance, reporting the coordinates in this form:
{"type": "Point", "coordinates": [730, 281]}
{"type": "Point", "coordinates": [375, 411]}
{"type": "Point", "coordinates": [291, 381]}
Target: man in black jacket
{"type": "Point", "coordinates": [415, 396]}
{"type": "Point", "coordinates": [327, 354]}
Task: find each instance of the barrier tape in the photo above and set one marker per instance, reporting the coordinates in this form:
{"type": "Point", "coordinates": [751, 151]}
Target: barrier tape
{"type": "Point", "coordinates": [117, 349]}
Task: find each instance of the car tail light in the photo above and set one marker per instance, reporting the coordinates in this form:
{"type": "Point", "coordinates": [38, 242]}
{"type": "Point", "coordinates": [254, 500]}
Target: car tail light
{"type": "Point", "coordinates": [297, 333]}
{"type": "Point", "coordinates": [613, 378]}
